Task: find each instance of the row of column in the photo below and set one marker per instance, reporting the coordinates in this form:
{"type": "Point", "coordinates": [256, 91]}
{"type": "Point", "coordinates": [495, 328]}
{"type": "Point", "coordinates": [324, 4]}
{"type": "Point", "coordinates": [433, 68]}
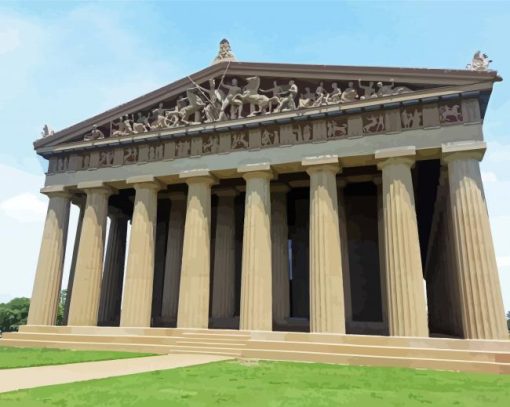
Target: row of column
{"type": "Point", "coordinates": [264, 264]}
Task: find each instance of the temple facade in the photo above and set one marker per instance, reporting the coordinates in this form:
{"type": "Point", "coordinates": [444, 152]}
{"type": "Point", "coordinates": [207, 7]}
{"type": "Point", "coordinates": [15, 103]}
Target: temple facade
{"type": "Point", "coordinates": [278, 197]}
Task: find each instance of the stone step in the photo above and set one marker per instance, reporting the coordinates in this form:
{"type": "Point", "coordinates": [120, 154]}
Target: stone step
{"type": "Point", "coordinates": [209, 343]}
{"type": "Point", "coordinates": [206, 350]}
{"type": "Point", "coordinates": [444, 354]}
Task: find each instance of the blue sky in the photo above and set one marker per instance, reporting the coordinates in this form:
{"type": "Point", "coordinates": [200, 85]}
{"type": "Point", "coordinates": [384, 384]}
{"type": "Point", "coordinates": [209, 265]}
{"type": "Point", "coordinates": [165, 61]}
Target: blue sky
{"type": "Point", "coordinates": [61, 62]}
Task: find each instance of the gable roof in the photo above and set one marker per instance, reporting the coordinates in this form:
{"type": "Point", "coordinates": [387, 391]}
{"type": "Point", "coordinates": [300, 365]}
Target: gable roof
{"type": "Point", "coordinates": [428, 78]}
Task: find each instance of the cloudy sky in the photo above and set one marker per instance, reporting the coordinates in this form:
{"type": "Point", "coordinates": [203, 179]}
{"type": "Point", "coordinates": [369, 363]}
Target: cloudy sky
{"type": "Point", "coordinates": [61, 62]}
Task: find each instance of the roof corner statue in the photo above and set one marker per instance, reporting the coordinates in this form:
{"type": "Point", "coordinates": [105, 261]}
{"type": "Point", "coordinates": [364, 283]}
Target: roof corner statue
{"type": "Point", "coordinates": [225, 53]}
{"type": "Point", "coordinates": [480, 62]}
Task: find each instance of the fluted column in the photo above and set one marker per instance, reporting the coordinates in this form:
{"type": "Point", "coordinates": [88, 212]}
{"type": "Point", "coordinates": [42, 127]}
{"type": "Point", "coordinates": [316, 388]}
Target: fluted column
{"type": "Point", "coordinates": [482, 311]}
{"type": "Point", "coordinates": [193, 311]}
{"type": "Point", "coordinates": [344, 248]}
{"type": "Point", "coordinates": [137, 298]}
{"type": "Point", "coordinates": [382, 250]}
{"type": "Point", "coordinates": [223, 293]}
{"type": "Point", "coordinates": [173, 256]}
{"type": "Point", "coordinates": [407, 314]}
{"type": "Point", "coordinates": [280, 252]}
{"type": "Point", "coordinates": [256, 279]}
{"type": "Point", "coordinates": [111, 286]}
{"type": "Point", "coordinates": [81, 205]}
{"type": "Point", "coordinates": [89, 263]}
{"type": "Point", "coordinates": [326, 280]}
{"type": "Point", "coordinates": [48, 276]}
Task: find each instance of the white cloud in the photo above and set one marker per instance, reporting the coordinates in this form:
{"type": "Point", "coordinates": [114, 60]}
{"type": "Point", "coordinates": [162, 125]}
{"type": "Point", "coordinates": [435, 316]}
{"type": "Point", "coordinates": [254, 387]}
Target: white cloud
{"type": "Point", "coordinates": [25, 207]}
{"type": "Point", "coordinates": [489, 176]}
{"type": "Point", "coordinates": [503, 261]}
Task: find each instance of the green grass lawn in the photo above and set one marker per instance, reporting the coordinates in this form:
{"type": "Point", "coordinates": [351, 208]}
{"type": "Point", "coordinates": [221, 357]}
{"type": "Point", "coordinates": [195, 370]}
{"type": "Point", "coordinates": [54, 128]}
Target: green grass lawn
{"type": "Point", "coordinates": [235, 383]}
{"type": "Point", "coordinates": [25, 357]}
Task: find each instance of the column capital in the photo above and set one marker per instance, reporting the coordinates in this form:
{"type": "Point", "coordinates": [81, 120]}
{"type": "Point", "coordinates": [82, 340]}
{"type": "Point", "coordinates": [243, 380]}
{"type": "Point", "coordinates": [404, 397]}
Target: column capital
{"type": "Point", "coordinates": [225, 192]}
{"type": "Point", "coordinates": [96, 187]}
{"type": "Point", "coordinates": [398, 155]}
{"type": "Point", "coordinates": [257, 170]}
{"type": "Point", "coordinates": [198, 176]}
{"type": "Point", "coordinates": [56, 191]}
{"type": "Point", "coordinates": [321, 163]}
{"type": "Point", "coordinates": [145, 181]}
{"type": "Point", "coordinates": [472, 150]}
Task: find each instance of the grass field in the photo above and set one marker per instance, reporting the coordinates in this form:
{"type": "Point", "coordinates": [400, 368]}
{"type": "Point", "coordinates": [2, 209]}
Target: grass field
{"type": "Point", "coordinates": [25, 357]}
{"type": "Point", "coordinates": [264, 384]}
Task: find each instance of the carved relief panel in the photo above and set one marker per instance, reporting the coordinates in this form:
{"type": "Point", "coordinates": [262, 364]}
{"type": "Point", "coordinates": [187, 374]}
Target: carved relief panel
{"type": "Point", "coordinates": [450, 113]}
{"type": "Point", "coordinates": [373, 123]}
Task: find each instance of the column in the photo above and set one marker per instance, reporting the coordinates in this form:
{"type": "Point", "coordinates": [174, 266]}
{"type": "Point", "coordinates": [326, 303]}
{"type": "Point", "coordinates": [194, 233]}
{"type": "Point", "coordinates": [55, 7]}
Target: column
{"type": "Point", "coordinates": [256, 291]}
{"type": "Point", "coordinates": [482, 311]}
{"type": "Point", "coordinates": [81, 205]}
{"type": "Point", "coordinates": [382, 250]}
{"type": "Point", "coordinates": [111, 286]}
{"type": "Point", "coordinates": [223, 293]}
{"type": "Point", "coordinates": [344, 250]}
{"type": "Point", "coordinates": [48, 276]}
{"type": "Point", "coordinates": [84, 305]}
{"type": "Point", "coordinates": [407, 314]}
{"type": "Point", "coordinates": [137, 298]}
{"type": "Point", "coordinates": [280, 252]}
{"type": "Point", "coordinates": [326, 282]}
{"type": "Point", "coordinates": [173, 256]}
{"type": "Point", "coordinates": [193, 311]}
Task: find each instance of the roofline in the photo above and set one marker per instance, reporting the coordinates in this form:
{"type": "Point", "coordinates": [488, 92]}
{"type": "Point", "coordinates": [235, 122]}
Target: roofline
{"type": "Point", "coordinates": [326, 72]}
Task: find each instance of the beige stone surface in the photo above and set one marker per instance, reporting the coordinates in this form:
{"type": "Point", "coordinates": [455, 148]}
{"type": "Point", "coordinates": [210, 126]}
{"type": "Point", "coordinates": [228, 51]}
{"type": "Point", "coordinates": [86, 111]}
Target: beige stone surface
{"type": "Point", "coordinates": [256, 279]}
{"type": "Point", "coordinates": [407, 314]}
{"type": "Point", "coordinates": [193, 311]}
{"type": "Point", "coordinates": [84, 305]}
{"type": "Point", "coordinates": [30, 377]}
{"type": "Point", "coordinates": [280, 252]}
{"type": "Point", "coordinates": [48, 276]}
{"type": "Point", "coordinates": [223, 284]}
{"type": "Point", "coordinates": [137, 298]}
{"type": "Point", "coordinates": [344, 249]}
{"type": "Point", "coordinates": [326, 281]}
{"type": "Point", "coordinates": [482, 311]}
{"type": "Point", "coordinates": [173, 256]}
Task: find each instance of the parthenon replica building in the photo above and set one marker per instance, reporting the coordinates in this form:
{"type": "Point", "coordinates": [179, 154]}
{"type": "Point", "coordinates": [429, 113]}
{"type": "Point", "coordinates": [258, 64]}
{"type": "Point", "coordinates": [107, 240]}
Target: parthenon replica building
{"type": "Point", "coordinates": [260, 197]}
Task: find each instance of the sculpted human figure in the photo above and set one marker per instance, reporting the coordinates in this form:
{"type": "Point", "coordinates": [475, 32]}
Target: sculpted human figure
{"type": "Point", "coordinates": [306, 99]}
{"type": "Point", "coordinates": [94, 134]}
{"type": "Point", "coordinates": [46, 131]}
{"type": "Point", "coordinates": [369, 91]}
{"type": "Point", "coordinates": [159, 116]}
{"type": "Point", "coordinates": [214, 98]}
{"type": "Point", "coordinates": [250, 95]}
{"type": "Point", "coordinates": [480, 62]}
{"type": "Point", "coordinates": [239, 141]}
{"type": "Point", "coordinates": [196, 104]}
{"type": "Point", "coordinates": [335, 94]}
{"type": "Point", "coordinates": [141, 124]}
{"type": "Point", "coordinates": [276, 89]}
{"type": "Point", "coordinates": [287, 102]}
{"type": "Point", "coordinates": [320, 95]}
{"type": "Point", "coordinates": [387, 90]}
{"type": "Point", "coordinates": [350, 94]}
{"type": "Point", "coordinates": [233, 91]}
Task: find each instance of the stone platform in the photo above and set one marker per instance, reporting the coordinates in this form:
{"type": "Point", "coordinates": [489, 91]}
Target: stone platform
{"type": "Point", "coordinates": [422, 353]}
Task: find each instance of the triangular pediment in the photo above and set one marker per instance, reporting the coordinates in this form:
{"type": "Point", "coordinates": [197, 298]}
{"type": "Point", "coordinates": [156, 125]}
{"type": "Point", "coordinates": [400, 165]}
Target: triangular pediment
{"type": "Point", "coordinates": [230, 91]}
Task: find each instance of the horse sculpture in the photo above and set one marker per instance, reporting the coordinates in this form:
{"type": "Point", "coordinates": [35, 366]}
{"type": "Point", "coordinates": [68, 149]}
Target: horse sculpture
{"type": "Point", "coordinates": [250, 95]}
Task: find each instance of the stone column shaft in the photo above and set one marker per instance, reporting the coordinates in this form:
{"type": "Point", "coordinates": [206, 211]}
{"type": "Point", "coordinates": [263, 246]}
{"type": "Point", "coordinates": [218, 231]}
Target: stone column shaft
{"type": "Point", "coordinates": [137, 298]}
{"type": "Point", "coordinates": [173, 256]}
{"type": "Point", "coordinates": [48, 277]}
{"type": "Point", "coordinates": [89, 263]}
{"type": "Point", "coordinates": [344, 248]}
{"type": "Point", "coordinates": [223, 293]}
{"type": "Point", "coordinates": [256, 278]}
{"type": "Point", "coordinates": [72, 270]}
{"type": "Point", "coordinates": [111, 286]}
{"type": "Point", "coordinates": [326, 282]}
{"type": "Point", "coordinates": [382, 251]}
{"type": "Point", "coordinates": [404, 277]}
{"type": "Point", "coordinates": [280, 252]}
{"type": "Point", "coordinates": [193, 311]}
{"type": "Point", "coordinates": [482, 311]}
